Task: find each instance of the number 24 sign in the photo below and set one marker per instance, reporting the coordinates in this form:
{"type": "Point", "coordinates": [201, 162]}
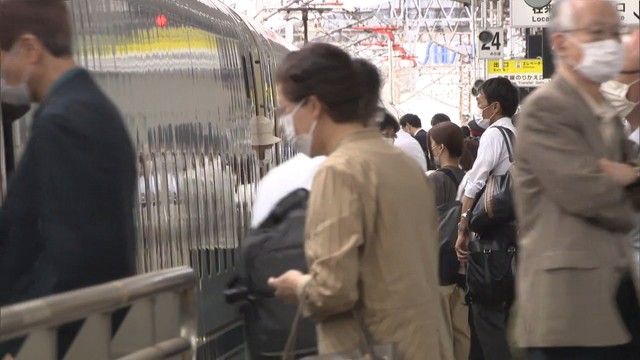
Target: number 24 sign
{"type": "Point", "coordinates": [493, 49]}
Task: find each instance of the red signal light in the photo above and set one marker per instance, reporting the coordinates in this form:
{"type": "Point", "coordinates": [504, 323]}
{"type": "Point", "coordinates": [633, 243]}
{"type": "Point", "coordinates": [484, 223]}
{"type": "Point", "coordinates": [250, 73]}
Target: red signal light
{"type": "Point", "coordinates": [161, 20]}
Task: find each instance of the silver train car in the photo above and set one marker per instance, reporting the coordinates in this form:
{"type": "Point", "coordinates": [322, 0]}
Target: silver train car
{"type": "Point", "coordinates": [187, 75]}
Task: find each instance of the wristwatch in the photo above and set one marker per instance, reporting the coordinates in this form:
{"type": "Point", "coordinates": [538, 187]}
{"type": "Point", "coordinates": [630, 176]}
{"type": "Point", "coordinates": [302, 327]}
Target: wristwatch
{"type": "Point", "coordinates": [463, 218]}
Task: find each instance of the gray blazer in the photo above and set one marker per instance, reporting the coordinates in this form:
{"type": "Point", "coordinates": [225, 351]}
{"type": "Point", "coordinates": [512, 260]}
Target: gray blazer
{"type": "Point", "coordinates": [574, 222]}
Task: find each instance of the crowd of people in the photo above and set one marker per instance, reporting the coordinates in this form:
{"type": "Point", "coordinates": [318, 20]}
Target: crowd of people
{"type": "Point", "coordinates": [543, 243]}
{"type": "Point", "coordinates": [546, 219]}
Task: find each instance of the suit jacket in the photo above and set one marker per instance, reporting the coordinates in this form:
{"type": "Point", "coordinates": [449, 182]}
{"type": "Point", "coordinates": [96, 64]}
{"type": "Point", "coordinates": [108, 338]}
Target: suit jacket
{"type": "Point", "coordinates": [573, 222]}
{"type": "Point", "coordinates": [422, 137]}
{"type": "Point", "coordinates": [374, 249]}
{"type": "Point", "coordinates": [67, 222]}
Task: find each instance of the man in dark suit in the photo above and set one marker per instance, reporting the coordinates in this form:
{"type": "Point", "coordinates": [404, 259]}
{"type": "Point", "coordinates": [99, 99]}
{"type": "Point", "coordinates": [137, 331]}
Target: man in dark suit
{"type": "Point", "coordinates": [67, 222]}
{"type": "Point", "coordinates": [412, 124]}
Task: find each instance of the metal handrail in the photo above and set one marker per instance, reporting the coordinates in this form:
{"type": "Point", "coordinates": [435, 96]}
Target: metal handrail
{"type": "Point", "coordinates": [18, 320]}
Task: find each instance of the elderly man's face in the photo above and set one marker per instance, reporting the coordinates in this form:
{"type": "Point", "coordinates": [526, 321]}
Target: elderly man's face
{"type": "Point", "coordinates": [595, 20]}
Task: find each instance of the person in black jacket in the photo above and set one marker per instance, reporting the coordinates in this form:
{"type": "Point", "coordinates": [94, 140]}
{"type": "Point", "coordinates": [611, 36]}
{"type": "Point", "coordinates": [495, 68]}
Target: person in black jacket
{"type": "Point", "coordinates": [67, 222]}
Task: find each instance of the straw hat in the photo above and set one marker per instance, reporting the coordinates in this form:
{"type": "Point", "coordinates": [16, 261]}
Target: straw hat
{"type": "Point", "coordinates": [262, 131]}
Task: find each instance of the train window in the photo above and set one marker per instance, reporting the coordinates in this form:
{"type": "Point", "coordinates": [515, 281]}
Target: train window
{"type": "Point", "coordinates": [245, 73]}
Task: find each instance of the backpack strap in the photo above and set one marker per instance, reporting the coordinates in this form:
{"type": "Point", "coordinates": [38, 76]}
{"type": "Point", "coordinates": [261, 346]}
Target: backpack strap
{"type": "Point", "coordinates": [508, 136]}
{"type": "Point", "coordinates": [295, 199]}
{"type": "Point", "coordinates": [451, 176]}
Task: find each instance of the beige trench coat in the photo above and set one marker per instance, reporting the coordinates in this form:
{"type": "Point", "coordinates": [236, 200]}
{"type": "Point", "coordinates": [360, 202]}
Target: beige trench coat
{"type": "Point", "coordinates": [574, 221]}
{"type": "Point", "coordinates": [372, 243]}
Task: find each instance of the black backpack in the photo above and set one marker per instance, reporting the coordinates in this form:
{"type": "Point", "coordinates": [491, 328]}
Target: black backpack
{"type": "Point", "coordinates": [449, 216]}
{"type": "Point", "coordinates": [269, 251]}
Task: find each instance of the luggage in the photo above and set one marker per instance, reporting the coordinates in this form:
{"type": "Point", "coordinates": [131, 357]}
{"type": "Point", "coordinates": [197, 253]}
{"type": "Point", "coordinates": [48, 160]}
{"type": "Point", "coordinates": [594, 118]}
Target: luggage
{"type": "Point", "coordinates": [269, 251]}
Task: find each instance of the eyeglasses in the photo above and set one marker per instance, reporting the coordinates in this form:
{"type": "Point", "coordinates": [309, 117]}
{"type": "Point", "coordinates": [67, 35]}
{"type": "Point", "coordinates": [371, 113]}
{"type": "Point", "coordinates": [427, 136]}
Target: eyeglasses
{"type": "Point", "coordinates": [600, 33]}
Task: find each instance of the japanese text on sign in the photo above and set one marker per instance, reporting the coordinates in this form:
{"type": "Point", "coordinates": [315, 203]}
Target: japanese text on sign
{"type": "Point", "coordinates": [523, 15]}
{"type": "Point", "coordinates": [524, 73]}
{"type": "Point", "coordinates": [528, 66]}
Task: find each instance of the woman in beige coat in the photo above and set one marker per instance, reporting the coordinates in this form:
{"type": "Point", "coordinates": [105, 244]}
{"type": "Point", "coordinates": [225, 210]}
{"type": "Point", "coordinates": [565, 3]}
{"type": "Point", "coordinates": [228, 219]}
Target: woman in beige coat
{"type": "Point", "coordinates": [371, 232]}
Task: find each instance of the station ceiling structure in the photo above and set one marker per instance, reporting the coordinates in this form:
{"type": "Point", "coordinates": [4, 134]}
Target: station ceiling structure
{"type": "Point", "coordinates": [427, 45]}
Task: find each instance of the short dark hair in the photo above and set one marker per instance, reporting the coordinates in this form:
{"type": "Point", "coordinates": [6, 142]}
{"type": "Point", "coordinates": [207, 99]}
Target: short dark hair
{"type": "Point", "coordinates": [502, 91]}
{"type": "Point", "coordinates": [327, 72]}
{"type": "Point", "coordinates": [465, 131]}
{"type": "Point", "coordinates": [439, 118]}
{"type": "Point", "coordinates": [449, 135]}
{"type": "Point", "coordinates": [48, 20]}
{"type": "Point", "coordinates": [389, 121]}
{"type": "Point", "coordinates": [370, 78]}
{"type": "Point", "coordinates": [411, 119]}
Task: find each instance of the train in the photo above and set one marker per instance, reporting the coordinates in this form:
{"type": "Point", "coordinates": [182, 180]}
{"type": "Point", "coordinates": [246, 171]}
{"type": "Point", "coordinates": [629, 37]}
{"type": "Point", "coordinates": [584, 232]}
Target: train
{"type": "Point", "coordinates": [187, 75]}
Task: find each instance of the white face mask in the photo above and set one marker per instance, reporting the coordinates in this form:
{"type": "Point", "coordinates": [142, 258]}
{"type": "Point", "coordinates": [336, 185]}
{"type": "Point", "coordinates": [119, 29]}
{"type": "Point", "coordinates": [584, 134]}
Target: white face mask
{"type": "Point", "coordinates": [389, 141]}
{"type": "Point", "coordinates": [480, 119]}
{"type": "Point", "coordinates": [301, 142]}
{"type": "Point", "coordinates": [17, 95]}
{"type": "Point", "coordinates": [616, 93]}
{"type": "Point", "coordinates": [601, 60]}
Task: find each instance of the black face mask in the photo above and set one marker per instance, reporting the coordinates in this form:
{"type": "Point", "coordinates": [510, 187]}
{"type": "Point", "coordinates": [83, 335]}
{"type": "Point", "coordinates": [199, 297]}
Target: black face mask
{"type": "Point", "coordinates": [11, 113]}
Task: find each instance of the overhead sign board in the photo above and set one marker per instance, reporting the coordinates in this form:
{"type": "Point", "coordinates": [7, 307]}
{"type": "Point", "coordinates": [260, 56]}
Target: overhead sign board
{"type": "Point", "coordinates": [524, 73]}
{"type": "Point", "coordinates": [493, 49]}
{"type": "Point", "coordinates": [525, 16]}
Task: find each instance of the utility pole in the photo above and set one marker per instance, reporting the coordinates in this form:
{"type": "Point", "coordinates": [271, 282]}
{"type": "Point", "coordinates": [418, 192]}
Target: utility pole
{"type": "Point", "coordinates": [305, 25]}
{"type": "Point", "coordinates": [305, 16]}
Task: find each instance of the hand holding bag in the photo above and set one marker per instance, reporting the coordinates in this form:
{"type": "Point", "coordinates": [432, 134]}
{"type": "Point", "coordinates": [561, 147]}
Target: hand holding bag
{"type": "Point", "coordinates": [366, 350]}
{"type": "Point", "coordinates": [494, 205]}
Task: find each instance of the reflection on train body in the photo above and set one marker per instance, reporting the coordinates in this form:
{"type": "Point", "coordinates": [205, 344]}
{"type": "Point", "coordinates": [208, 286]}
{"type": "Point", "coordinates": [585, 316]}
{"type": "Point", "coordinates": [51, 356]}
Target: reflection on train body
{"type": "Point", "coordinates": [187, 91]}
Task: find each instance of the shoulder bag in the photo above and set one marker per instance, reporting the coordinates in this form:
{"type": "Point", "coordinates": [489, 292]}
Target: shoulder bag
{"type": "Point", "coordinates": [494, 204]}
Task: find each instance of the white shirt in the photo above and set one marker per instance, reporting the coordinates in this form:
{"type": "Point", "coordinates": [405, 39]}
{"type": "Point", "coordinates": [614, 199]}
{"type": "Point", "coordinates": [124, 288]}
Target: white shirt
{"type": "Point", "coordinates": [492, 157]}
{"type": "Point", "coordinates": [411, 146]}
{"type": "Point", "coordinates": [295, 173]}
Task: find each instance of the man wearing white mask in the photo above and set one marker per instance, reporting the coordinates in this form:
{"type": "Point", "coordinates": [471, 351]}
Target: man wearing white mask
{"type": "Point", "coordinates": [67, 222]}
{"type": "Point", "coordinates": [498, 101]}
{"type": "Point", "coordinates": [623, 93]}
{"type": "Point", "coordinates": [574, 213]}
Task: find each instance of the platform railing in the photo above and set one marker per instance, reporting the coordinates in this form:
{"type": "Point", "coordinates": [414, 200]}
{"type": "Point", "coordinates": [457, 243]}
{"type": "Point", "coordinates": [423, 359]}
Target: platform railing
{"type": "Point", "coordinates": [161, 321]}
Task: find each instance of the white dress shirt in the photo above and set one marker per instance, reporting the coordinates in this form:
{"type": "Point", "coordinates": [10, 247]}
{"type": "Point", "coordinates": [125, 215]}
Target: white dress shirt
{"type": "Point", "coordinates": [411, 146]}
{"type": "Point", "coordinates": [492, 157]}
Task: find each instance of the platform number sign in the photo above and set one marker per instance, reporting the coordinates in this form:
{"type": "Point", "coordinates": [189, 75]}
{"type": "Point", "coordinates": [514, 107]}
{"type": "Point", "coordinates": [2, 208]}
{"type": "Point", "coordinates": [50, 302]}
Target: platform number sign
{"type": "Point", "coordinates": [493, 49]}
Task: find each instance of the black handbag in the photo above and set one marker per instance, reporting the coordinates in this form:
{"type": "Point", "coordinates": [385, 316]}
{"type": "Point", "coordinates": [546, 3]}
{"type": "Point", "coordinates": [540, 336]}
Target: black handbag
{"type": "Point", "coordinates": [490, 270]}
{"type": "Point", "coordinates": [494, 204]}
